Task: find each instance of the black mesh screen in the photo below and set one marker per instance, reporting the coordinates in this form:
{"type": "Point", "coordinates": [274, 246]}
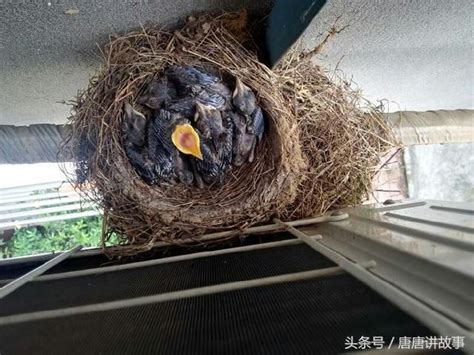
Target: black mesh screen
{"type": "Point", "coordinates": [92, 261]}
{"type": "Point", "coordinates": [43, 295]}
{"type": "Point", "coordinates": [308, 317]}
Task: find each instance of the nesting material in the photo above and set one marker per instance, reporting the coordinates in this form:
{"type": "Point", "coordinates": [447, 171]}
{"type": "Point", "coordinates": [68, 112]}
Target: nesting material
{"type": "Point", "coordinates": [318, 152]}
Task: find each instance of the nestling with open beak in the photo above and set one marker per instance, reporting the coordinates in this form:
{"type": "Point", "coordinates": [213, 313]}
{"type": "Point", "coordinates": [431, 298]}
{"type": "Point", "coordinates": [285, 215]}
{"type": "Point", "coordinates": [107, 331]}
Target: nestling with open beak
{"type": "Point", "coordinates": [188, 143]}
{"type": "Point", "coordinates": [170, 138]}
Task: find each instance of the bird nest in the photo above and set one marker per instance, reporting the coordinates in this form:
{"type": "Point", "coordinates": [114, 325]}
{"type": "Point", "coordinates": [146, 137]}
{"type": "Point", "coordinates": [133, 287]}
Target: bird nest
{"type": "Point", "coordinates": [318, 152]}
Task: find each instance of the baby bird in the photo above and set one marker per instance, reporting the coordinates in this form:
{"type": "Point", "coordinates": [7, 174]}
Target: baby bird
{"type": "Point", "coordinates": [212, 99]}
{"type": "Point", "coordinates": [182, 168]}
{"type": "Point", "coordinates": [133, 126]}
{"type": "Point", "coordinates": [244, 99]}
{"type": "Point", "coordinates": [226, 140]}
{"type": "Point", "coordinates": [208, 121]}
{"type": "Point", "coordinates": [186, 77]}
{"type": "Point", "coordinates": [221, 89]}
{"type": "Point", "coordinates": [133, 130]}
{"type": "Point", "coordinates": [160, 146]}
{"type": "Point", "coordinates": [216, 144]}
{"type": "Point", "coordinates": [187, 143]}
{"type": "Point", "coordinates": [243, 142]}
{"type": "Point", "coordinates": [206, 169]}
{"type": "Point", "coordinates": [160, 92]}
{"type": "Point", "coordinates": [250, 126]}
{"type": "Point", "coordinates": [256, 124]}
{"type": "Point", "coordinates": [171, 136]}
{"type": "Point", "coordinates": [197, 86]}
{"type": "Point", "coordinates": [187, 105]}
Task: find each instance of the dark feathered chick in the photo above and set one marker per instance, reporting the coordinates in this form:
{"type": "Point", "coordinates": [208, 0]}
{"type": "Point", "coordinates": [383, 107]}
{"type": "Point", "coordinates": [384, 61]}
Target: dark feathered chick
{"type": "Point", "coordinates": [185, 76]}
{"type": "Point", "coordinates": [226, 140]}
{"type": "Point", "coordinates": [209, 168]}
{"type": "Point", "coordinates": [160, 92]}
{"type": "Point", "coordinates": [216, 143]}
{"type": "Point", "coordinates": [244, 99]}
{"type": "Point", "coordinates": [182, 168]}
{"type": "Point", "coordinates": [160, 146]}
{"type": "Point", "coordinates": [186, 143]}
{"type": "Point", "coordinates": [216, 95]}
{"type": "Point", "coordinates": [221, 89]}
{"type": "Point", "coordinates": [195, 86]}
{"type": "Point", "coordinates": [256, 124]}
{"type": "Point", "coordinates": [249, 123]}
{"type": "Point", "coordinates": [208, 121]}
{"type": "Point", "coordinates": [133, 126]}
{"type": "Point", "coordinates": [133, 130]}
{"type": "Point", "coordinates": [243, 142]}
{"type": "Point", "coordinates": [212, 99]}
{"type": "Point", "coordinates": [187, 105]}
{"type": "Point", "coordinates": [170, 136]}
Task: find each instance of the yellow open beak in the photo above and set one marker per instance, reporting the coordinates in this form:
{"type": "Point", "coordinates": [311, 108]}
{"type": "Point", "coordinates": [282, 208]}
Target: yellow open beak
{"type": "Point", "coordinates": [186, 139]}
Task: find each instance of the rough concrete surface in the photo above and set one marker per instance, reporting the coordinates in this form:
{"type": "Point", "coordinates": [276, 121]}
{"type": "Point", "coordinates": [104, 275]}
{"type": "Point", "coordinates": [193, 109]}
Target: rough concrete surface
{"type": "Point", "coordinates": [417, 54]}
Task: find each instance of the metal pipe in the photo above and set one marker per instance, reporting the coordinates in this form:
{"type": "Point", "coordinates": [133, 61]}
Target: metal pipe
{"type": "Point", "coordinates": [15, 284]}
{"type": "Point", "coordinates": [170, 296]}
{"type": "Point", "coordinates": [432, 127]}
{"type": "Point", "coordinates": [172, 259]}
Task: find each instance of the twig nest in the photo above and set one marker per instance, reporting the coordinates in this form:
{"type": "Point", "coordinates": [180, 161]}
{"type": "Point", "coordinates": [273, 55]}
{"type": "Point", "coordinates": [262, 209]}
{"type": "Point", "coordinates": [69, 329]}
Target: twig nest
{"type": "Point", "coordinates": [318, 150]}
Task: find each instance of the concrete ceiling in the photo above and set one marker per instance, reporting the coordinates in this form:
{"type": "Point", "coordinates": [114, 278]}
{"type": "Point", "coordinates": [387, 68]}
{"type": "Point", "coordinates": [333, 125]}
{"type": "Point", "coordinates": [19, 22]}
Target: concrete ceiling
{"type": "Point", "coordinates": [417, 54]}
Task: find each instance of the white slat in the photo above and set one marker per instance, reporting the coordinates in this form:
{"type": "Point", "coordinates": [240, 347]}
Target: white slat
{"type": "Point", "coordinates": [43, 211]}
{"type": "Point", "coordinates": [30, 188]}
{"type": "Point", "coordinates": [39, 221]}
{"type": "Point", "coordinates": [37, 204]}
{"type": "Point", "coordinates": [36, 197]}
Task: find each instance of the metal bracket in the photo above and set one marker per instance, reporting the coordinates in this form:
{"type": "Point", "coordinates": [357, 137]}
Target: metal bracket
{"type": "Point", "coordinates": [366, 272]}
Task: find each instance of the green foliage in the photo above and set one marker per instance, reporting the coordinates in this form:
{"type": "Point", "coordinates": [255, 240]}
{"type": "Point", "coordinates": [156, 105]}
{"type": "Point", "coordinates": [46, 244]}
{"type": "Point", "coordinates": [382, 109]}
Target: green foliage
{"type": "Point", "coordinates": [55, 236]}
